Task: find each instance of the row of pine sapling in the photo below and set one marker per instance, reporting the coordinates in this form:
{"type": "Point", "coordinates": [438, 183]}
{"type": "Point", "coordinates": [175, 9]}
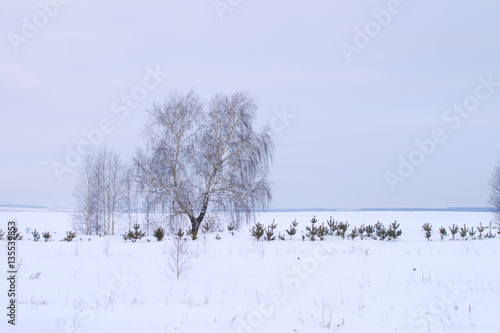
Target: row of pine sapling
{"type": "Point", "coordinates": [464, 232]}
{"type": "Point", "coordinates": [133, 235]}
{"type": "Point", "coordinates": [258, 231]}
{"type": "Point", "coordinates": [159, 233]}
{"type": "Point", "coordinates": [70, 235]}
{"type": "Point", "coordinates": [331, 228]}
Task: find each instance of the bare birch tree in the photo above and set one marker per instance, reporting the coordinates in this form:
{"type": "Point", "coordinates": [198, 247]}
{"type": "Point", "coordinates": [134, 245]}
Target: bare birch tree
{"type": "Point", "coordinates": [114, 191]}
{"type": "Point", "coordinates": [148, 209]}
{"type": "Point", "coordinates": [84, 195]}
{"type": "Point", "coordinates": [495, 192]}
{"type": "Point", "coordinates": [99, 193]}
{"type": "Point", "coordinates": [199, 158]}
{"type": "Point", "coordinates": [130, 196]}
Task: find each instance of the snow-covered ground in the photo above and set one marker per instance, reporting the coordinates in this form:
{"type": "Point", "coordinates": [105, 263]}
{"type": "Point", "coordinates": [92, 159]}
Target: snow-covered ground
{"type": "Point", "coordinates": [237, 284]}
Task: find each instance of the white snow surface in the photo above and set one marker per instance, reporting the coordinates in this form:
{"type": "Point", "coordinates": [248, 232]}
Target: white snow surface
{"type": "Point", "coordinates": [237, 284]}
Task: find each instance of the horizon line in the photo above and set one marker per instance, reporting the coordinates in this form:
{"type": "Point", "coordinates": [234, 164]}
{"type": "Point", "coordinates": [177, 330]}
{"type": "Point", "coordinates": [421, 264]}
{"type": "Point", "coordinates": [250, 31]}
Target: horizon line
{"type": "Point", "coordinates": [303, 209]}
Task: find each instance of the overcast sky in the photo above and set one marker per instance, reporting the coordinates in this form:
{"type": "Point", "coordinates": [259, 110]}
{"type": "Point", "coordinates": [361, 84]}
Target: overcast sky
{"type": "Point", "coordinates": [372, 103]}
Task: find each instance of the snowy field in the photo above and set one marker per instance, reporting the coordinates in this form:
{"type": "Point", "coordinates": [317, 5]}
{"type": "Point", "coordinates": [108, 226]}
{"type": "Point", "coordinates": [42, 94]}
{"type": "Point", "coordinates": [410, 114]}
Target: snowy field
{"type": "Point", "coordinates": [236, 284]}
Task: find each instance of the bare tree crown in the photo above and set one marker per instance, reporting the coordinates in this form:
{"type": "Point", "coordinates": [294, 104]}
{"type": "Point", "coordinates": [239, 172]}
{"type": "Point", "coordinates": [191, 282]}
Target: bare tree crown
{"type": "Point", "coordinates": [198, 158]}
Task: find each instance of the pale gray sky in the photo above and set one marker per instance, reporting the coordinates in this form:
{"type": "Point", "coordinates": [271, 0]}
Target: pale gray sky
{"type": "Point", "coordinates": [349, 86]}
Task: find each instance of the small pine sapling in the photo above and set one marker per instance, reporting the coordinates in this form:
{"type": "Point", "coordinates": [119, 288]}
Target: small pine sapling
{"type": "Point", "coordinates": [333, 225]}
{"type": "Point", "coordinates": [322, 232]}
{"type": "Point", "coordinates": [179, 234]}
{"type": "Point", "coordinates": [369, 231]}
{"type": "Point", "coordinates": [231, 227]}
{"type": "Point", "coordinates": [362, 230]}
{"type": "Point", "coordinates": [205, 228]}
{"type": "Point", "coordinates": [46, 236]}
{"type": "Point", "coordinates": [312, 231]}
{"type": "Point", "coordinates": [36, 236]}
{"type": "Point", "coordinates": [293, 229]}
{"type": "Point", "coordinates": [1, 234]}
{"type": "Point", "coordinates": [463, 232]}
{"type": "Point", "coordinates": [380, 231]}
{"type": "Point", "coordinates": [481, 229]}
{"type": "Point", "coordinates": [217, 237]}
{"type": "Point", "coordinates": [70, 235]}
{"type": "Point", "coordinates": [428, 230]}
{"type": "Point", "coordinates": [353, 234]}
{"type": "Point", "coordinates": [490, 234]}
{"type": "Point", "coordinates": [270, 232]}
{"type": "Point", "coordinates": [394, 231]}
{"type": "Point", "coordinates": [17, 235]}
{"type": "Point", "coordinates": [281, 237]}
{"type": "Point", "coordinates": [454, 231]}
{"type": "Point", "coordinates": [190, 233]}
{"type": "Point", "coordinates": [159, 234]}
{"type": "Point", "coordinates": [472, 233]}
{"type": "Point", "coordinates": [443, 232]}
{"type": "Point", "coordinates": [136, 234]}
{"type": "Point", "coordinates": [342, 229]}
{"type": "Point", "coordinates": [193, 235]}
{"type": "Point", "coordinates": [257, 230]}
